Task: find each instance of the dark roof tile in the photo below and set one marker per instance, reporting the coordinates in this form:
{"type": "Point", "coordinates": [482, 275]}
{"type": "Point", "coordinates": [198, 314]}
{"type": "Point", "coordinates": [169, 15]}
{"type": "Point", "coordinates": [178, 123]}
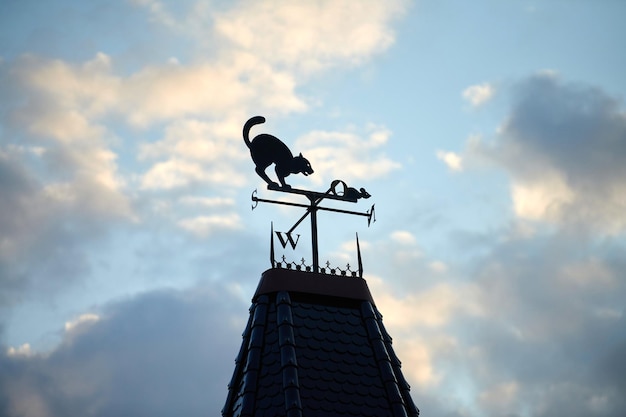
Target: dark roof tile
{"type": "Point", "coordinates": [316, 354]}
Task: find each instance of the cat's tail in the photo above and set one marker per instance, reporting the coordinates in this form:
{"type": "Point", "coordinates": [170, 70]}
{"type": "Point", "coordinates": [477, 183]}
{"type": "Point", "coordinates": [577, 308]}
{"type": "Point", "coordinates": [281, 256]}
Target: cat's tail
{"type": "Point", "coordinates": [256, 120]}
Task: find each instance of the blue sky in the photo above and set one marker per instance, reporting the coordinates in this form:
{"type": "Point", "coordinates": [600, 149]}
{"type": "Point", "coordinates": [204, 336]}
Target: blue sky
{"type": "Point", "coordinates": [491, 135]}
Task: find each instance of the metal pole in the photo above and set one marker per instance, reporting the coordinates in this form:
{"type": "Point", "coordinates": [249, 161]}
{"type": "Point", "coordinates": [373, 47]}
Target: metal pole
{"type": "Point", "coordinates": [316, 266]}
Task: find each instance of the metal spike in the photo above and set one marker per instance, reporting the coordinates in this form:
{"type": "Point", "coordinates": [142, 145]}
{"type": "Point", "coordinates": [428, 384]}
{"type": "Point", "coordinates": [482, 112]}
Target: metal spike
{"type": "Point", "coordinates": [272, 245]}
{"type": "Point", "coordinates": [358, 254]}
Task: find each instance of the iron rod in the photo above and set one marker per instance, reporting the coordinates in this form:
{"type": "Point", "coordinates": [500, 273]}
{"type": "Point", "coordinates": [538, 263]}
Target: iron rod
{"type": "Point", "coordinates": [316, 262]}
{"type": "Point", "coordinates": [286, 203]}
{"type": "Point", "coordinates": [299, 221]}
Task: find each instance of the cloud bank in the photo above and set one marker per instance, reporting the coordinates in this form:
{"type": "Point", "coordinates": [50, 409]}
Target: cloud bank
{"type": "Point", "coordinates": [564, 146]}
{"type": "Point", "coordinates": [159, 354]}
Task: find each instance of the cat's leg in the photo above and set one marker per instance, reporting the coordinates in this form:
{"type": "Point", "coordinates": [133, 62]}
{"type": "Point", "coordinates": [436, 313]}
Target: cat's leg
{"type": "Point", "coordinates": [267, 179]}
{"type": "Point", "coordinates": [281, 177]}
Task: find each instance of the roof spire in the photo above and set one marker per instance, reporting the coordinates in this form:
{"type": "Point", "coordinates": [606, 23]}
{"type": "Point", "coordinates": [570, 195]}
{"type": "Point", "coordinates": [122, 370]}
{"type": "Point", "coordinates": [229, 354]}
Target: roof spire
{"type": "Point", "coordinates": [315, 344]}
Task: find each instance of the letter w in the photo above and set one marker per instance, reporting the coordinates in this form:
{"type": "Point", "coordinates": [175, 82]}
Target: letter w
{"type": "Point", "coordinates": [289, 239]}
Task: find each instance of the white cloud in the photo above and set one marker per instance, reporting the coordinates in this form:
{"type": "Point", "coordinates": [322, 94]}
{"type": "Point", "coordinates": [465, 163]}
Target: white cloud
{"type": "Point", "coordinates": [221, 90]}
{"type": "Point", "coordinates": [541, 198]}
{"type": "Point", "coordinates": [451, 159]}
{"type": "Point", "coordinates": [347, 155]}
{"type": "Point", "coordinates": [84, 90]}
{"type": "Point", "coordinates": [207, 202]}
{"type": "Point", "coordinates": [195, 151]}
{"type": "Point", "coordinates": [438, 267]}
{"type": "Point", "coordinates": [60, 109]}
{"type": "Point", "coordinates": [284, 35]}
{"type": "Point", "coordinates": [262, 46]}
{"type": "Point", "coordinates": [81, 321]}
{"type": "Point", "coordinates": [479, 94]}
{"type": "Point", "coordinates": [341, 32]}
{"type": "Point", "coordinates": [403, 237]}
{"type": "Point", "coordinates": [170, 174]}
{"type": "Point", "coordinates": [22, 350]}
{"type": "Point", "coordinates": [418, 359]}
{"type": "Point", "coordinates": [204, 226]}
{"type": "Point", "coordinates": [197, 140]}
{"type": "Point", "coordinates": [176, 173]}
{"type": "Point", "coordinates": [70, 101]}
{"type": "Point", "coordinates": [435, 306]}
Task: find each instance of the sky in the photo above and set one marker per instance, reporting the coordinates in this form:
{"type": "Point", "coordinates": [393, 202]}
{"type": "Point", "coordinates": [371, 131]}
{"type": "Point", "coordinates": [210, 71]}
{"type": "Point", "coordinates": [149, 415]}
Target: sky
{"type": "Point", "coordinates": [490, 134]}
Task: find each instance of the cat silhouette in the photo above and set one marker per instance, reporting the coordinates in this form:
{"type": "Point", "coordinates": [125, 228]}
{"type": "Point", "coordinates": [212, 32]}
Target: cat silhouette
{"type": "Point", "coordinates": [267, 150]}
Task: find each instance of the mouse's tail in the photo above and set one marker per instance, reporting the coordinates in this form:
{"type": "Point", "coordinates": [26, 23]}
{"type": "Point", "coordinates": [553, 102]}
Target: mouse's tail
{"type": "Point", "coordinates": [256, 120]}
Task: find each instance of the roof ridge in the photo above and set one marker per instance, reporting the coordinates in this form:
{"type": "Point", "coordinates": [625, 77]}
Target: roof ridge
{"type": "Point", "coordinates": [249, 375]}
{"type": "Point", "coordinates": [239, 361]}
{"type": "Point", "coordinates": [382, 358]}
{"type": "Point", "coordinates": [288, 360]}
{"type": "Point", "coordinates": [403, 385]}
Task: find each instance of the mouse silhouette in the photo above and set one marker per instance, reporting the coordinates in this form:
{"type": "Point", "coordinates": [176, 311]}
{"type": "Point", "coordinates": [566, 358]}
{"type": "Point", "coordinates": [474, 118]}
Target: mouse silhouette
{"type": "Point", "coordinates": [267, 150]}
{"type": "Point", "coordinates": [350, 193]}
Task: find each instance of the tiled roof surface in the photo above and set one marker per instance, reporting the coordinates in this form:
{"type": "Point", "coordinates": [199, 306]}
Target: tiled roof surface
{"type": "Point", "coordinates": [316, 355]}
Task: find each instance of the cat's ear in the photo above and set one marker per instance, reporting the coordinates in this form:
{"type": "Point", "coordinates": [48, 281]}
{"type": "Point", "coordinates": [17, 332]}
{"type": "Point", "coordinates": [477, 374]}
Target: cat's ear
{"type": "Point", "coordinates": [300, 154]}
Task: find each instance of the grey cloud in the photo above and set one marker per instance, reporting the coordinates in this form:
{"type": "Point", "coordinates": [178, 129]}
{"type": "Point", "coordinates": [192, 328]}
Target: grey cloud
{"type": "Point", "coordinates": [580, 128]}
{"type": "Point", "coordinates": [45, 241]}
{"type": "Point", "coordinates": [35, 237]}
{"type": "Point", "coordinates": [162, 353]}
{"type": "Point", "coordinates": [611, 368]}
{"type": "Point", "coordinates": [571, 133]}
{"type": "Point", "coordinates": [549, 337]}
{"type": "Point", "coordinates": [552, 332]}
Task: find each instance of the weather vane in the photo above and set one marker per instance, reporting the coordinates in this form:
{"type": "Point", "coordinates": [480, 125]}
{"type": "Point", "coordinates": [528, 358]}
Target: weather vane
{"type": "Point", "coordinates": [267, 150]}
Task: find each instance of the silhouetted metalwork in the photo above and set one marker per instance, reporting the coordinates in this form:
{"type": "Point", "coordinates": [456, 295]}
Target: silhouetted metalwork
{"type": "Point", "coordinates": [266, 150]}
{"type": "Point", "coordinates": [328, 269]}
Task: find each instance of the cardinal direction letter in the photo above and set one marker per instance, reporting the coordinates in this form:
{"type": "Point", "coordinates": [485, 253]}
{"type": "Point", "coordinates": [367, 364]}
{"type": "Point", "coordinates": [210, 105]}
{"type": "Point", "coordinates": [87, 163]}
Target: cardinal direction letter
{"type": "Point", "coordinates": [289, 239]}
